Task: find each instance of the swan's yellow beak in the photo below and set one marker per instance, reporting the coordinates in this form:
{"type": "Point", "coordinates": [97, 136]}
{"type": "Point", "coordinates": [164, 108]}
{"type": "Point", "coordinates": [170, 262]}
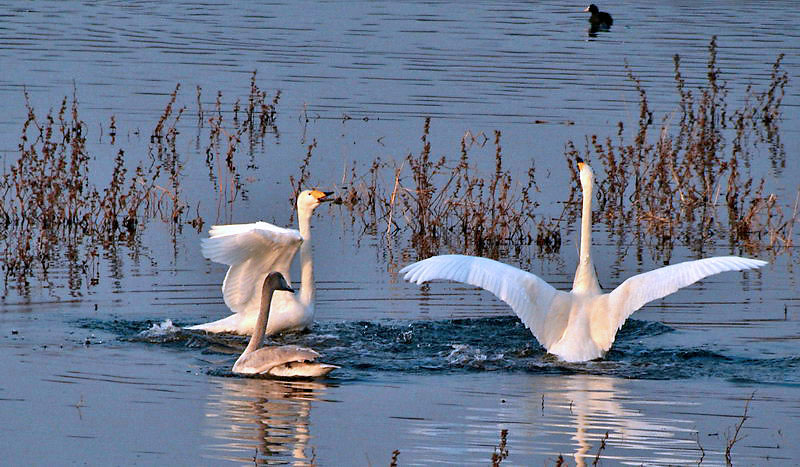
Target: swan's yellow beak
{"type": "Point", "coordinates": [322, 196]}
{"type": "Point", "coordinates": [580, 164]}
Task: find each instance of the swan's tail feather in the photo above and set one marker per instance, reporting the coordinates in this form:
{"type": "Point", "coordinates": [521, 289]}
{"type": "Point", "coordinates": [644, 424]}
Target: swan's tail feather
{"type": "Point", "coordinates": [233, 324]}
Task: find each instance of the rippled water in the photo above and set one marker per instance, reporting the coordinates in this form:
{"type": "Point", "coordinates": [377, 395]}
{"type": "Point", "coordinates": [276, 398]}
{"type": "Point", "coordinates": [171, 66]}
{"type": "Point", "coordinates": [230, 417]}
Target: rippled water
{"type": "Point", "coordinates": [643, 349]}
{"type": "Point", "coordinates": [435, 373]}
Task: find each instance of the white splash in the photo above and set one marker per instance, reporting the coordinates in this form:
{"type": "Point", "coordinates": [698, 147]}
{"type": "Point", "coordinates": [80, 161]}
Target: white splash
{"type": "Point", "coordinates": [463, 353]}
{"type": "Point", "coordinates": [161, 329]}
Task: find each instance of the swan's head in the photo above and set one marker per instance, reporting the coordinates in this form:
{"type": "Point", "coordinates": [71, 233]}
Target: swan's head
{"type": "Point", "coordinates": [585, 172]}
{"type": "Point", "coordinates": [276, 281]}
{"type": "Point", "coordinates": [308, 200]}
{"type": "Point", "coordinates": [592, 8]}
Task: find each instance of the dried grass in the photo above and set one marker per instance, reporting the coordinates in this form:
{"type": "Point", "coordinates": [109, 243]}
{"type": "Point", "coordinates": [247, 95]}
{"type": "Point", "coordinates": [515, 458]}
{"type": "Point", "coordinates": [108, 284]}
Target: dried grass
{"type": "Point", "coordinates": [683, 183]}
{"type": "Point", "coordinates": [447, 206]}
{"type": "Point", "coordinates": [680, 183]}
{"type": "Point", "coordinates": [50, 209]}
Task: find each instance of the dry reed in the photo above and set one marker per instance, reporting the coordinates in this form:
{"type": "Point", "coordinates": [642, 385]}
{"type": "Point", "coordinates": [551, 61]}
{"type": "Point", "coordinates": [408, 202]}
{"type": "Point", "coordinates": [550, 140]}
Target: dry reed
{"type": "Point", "coordinates": [732, 439]}
{"type": "Point", "coordinates": [679, 184]}
{"type": "Point", "coordinates": [445, 205]}
{"type": "Point", "coordinates": [501, 451]}
{"type": "Point", "coordinates": [254, 122]}
{"type": "Point", "coordinates": [51, 210]}
{"type": "Point", "coordinates": [682, 183]}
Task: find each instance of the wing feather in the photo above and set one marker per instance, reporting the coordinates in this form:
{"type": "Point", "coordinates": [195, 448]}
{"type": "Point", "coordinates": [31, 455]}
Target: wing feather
{"type": "Point", "coordinates": [538, 304]}
{"type": "Point", "coordinates": [640, 289]}
{"type": "Point", "coordinates": [252, 251]}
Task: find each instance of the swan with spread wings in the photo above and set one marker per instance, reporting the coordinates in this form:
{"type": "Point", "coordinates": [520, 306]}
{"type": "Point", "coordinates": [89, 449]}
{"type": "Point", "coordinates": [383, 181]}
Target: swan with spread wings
{"type": "Point", "coordinates": [254, 250]}
{"type": "Point", "coordinates": [582, 324]}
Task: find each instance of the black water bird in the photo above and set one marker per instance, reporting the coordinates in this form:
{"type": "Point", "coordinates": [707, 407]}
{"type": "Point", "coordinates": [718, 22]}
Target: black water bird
{"type": "Point", "coordinates": [599, 19]}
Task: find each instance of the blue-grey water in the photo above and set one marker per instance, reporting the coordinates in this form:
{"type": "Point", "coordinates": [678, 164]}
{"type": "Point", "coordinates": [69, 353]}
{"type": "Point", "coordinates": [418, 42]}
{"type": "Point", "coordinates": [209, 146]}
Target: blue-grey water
{"type": "Point", "coordinates": [434, 373]}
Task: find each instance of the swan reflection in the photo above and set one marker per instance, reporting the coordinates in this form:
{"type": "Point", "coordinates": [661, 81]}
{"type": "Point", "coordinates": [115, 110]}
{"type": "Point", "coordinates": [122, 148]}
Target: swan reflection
{"type": "Point", "coordinates": [261, 421]}
{"type": "Point", "coordinates": [586, 407]}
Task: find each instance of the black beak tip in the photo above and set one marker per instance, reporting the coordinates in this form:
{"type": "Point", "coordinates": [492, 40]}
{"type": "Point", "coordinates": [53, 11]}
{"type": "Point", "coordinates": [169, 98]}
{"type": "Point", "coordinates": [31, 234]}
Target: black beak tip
{"type": "Point", "coordinates": [329, 197]}
{"type": "Point", "coordinates": [579, 160]}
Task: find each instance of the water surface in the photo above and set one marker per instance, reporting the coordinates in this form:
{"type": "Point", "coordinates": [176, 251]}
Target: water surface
{"type": "Point", "coordinates": [435, 373]}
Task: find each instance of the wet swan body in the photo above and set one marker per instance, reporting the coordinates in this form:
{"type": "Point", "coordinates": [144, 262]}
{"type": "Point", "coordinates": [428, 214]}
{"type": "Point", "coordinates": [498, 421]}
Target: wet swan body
{"type": "Point", "coordinates": [582, 324]}
{"type": "Point", "coordinates": [282, 361]}
{"type": "Point", "coordinates": [252, 251]}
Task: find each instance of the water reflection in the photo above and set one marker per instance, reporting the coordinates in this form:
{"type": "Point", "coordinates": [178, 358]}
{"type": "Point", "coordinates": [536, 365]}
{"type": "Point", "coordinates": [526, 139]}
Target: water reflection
{"type": "Point", "coordinates": [261, 420]}
{"type": "Point", "coordinates": [594, 29]}
{"type": "Point", "coordinates": [584, 408]}
{"type": "Point", "coordinates": [453, 418]}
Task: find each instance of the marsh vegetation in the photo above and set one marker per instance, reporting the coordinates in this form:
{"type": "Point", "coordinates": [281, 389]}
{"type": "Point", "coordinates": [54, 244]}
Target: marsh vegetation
{"type": "Point", "coordinates": [683, 181]}
{"type": "Point", "coordinates": [356, 85]}
{"type": "Point", "coordinates": [679, 179]}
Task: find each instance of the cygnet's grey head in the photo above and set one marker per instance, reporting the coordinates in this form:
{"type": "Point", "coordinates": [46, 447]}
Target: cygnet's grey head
{"type": "Point", "coordinates": [276, 281]}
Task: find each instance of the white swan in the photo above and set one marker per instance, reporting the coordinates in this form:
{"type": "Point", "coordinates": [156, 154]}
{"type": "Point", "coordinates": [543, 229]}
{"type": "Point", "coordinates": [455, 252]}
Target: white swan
{"type": "Point", "coordinates": [283, 361]}
{"type": "Point", "coordinates": [254, 250]}
{"type": "Point", "coordinates": [579, 325]}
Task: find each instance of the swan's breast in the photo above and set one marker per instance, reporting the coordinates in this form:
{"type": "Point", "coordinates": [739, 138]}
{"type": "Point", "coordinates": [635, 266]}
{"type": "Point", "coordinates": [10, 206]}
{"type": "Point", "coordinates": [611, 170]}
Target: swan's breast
{"type": "Point", "coordinates": [577, 343]}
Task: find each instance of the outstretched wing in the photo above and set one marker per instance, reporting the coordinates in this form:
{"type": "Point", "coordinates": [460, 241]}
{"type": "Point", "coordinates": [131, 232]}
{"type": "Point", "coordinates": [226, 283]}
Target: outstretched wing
{"type": "Point", "coordinates": [543, 309]}
{"type": "Point", "coordinates": [646, 287]}
{"type": "Point", "coordinates": [252, 251]}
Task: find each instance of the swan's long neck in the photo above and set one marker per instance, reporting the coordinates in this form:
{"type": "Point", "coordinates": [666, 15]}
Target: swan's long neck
{"type": "Point", "coordinates": [585, 276]}
{"type": "Point", "coordinates": [261, 323]}
{"type": "Point", "coordinates": [307, 290]}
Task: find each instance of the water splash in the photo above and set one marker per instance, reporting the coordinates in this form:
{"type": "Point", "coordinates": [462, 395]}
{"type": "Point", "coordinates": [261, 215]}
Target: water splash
{"type": "Point", "coordinates": [469, 345]}
{"type": "Point", "coordinates": [164, 329]}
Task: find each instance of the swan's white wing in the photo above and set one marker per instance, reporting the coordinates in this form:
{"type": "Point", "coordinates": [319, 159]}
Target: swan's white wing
{"type": "Point", "coordinates": [542, 308]}
{"type": "Point", "coordinates": [646, 287]}
{"type": "Point", "coordinates": [266, 358]}
{"type": "Point", "coordinates": [252, 251]}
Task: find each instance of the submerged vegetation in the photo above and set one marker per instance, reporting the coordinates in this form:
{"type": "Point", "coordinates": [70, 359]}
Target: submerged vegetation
{"type": "Point", "coordinates": [50, 208]}
{"type": "Point", "coordinates": [253, 122]}
{"type": "Point", "coordinates": [444, 205]}
{"type": "Point", "coordinates": [682, 181]}
{"type": "Point", "coordinates": [53, 211]}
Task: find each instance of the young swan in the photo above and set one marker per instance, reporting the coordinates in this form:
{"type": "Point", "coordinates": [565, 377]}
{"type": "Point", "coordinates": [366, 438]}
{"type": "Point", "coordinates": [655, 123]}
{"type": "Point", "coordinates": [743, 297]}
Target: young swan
{"type": "Point", "coordinates": [252, 251]}
{"type": "Point", "coordinates": [282, 361]}
{"type": "Point", "coordinates": [579, 325]}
